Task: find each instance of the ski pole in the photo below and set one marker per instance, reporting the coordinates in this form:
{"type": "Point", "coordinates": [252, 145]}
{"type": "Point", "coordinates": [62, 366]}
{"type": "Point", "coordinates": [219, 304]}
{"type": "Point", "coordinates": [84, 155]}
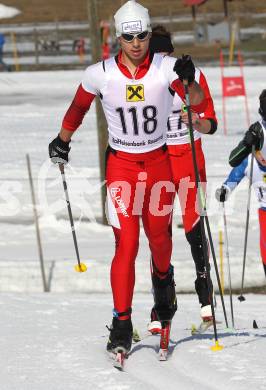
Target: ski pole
{"type": "Point", "coordinates": [215, 265]}
{"type": "Point", "coordinates": [200, 202]}
{"type": "Point", "coordinates": [205, 215]}
{"type": "Point", "coordinates": [80, 267]}
{"type": "Point", "coordinates": [220, 233]}
{"type": "Point", "coordinates": [37, 226]}
{"type": "Point", "coordinates": [241, 296]}
{"type": "Point", "coordinates": [228, 265]}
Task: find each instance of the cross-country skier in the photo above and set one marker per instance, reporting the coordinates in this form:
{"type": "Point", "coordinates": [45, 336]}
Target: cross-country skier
{"type": "Point", "coordinates": [240, 159]}
{"type": "Point", "coordinates": [180, 153]}
{"type": "Point", "coordinates": [134, 91]}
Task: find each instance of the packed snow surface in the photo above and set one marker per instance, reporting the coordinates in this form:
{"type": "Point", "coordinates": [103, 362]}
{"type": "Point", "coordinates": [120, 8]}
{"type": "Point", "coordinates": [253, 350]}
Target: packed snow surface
{"type": "Point", "coordinates": [57, 342]}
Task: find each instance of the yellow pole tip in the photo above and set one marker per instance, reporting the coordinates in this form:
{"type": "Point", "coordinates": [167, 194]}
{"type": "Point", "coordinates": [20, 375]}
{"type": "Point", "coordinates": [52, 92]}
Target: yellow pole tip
{"type": "Point", "coordinates": [217, 347]}
{"type": "Point", "coordinates": [80, 267]}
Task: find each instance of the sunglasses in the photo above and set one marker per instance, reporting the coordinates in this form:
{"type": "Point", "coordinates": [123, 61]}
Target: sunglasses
{"type": "Point", "coordinates": [141, 36]}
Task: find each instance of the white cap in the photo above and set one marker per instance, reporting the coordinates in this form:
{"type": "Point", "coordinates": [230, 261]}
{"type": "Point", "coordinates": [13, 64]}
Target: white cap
{"type": "Point", "coordinates": [132, 18]}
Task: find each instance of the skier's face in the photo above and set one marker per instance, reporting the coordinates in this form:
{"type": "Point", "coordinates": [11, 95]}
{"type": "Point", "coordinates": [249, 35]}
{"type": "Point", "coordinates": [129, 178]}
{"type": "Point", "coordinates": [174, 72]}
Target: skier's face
{"type": "Point", "coordinates": [136, 49]}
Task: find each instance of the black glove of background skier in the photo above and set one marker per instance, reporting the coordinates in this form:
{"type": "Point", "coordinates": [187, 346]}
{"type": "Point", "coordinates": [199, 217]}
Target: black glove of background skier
{"type": "Point", "coordinates": [185, 68]}
{"type": "Point", "coordinates": [58, 151]}
{"type": "Point", "coordinates": [254, 136]}
{"type": "Point", "coordinates": [221, 194]}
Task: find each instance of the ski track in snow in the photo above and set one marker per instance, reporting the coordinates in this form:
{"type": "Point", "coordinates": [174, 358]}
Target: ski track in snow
{"type": "Point", "coordinates": [57, 342]}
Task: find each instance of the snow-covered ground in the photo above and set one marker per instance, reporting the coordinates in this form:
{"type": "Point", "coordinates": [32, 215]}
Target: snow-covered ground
{"type": "Point", "coordinates": [57, 342]}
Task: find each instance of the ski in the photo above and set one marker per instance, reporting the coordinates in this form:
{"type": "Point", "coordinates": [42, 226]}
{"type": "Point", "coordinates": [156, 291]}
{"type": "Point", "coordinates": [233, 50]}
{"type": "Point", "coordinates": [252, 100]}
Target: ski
{"type": "Point", "coordinates": [203, 326]}
{"type": "Point", "coordinates": [119, 360]}
{"type": "Point", "coordinates": [136, 336]}
{"type": "Point", "coordinates": [164, 341]}
{"type": "Point", "coordinates": [118, 357]}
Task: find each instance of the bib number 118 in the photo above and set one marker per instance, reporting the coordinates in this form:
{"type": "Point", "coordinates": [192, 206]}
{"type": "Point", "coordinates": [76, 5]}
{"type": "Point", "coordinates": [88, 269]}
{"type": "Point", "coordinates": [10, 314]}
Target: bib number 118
{"type": "Point", "coordinates": [149, 121]}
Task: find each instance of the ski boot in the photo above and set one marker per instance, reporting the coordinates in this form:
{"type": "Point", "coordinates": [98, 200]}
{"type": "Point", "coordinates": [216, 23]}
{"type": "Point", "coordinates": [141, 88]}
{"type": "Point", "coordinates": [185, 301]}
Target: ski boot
{"type": "Point", "coordinates": [154, 327]}
{"type": "Point", "coordinates": [120, 339]}
{"type": "Point", "coordinates": [165, 304]}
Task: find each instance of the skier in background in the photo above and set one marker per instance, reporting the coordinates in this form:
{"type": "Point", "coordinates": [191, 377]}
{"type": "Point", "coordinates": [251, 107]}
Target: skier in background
{"type": "Point", "coordinates": [180, 153]}
{"type": "Point", "coordinates": [133, 88]}
{"type": "Point", "coordinates": [240, 159]}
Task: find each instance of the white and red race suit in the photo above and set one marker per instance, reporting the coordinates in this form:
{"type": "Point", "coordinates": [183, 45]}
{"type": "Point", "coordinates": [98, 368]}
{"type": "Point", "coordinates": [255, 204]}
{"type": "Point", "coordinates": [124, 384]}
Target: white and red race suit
{"type": "Point", "coordinates": [138, 172]}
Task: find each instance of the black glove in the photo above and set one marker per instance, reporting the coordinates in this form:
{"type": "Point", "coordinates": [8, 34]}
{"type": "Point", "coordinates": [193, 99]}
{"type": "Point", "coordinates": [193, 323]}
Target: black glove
{"type": "Point", "coordinates": [254, 136]}
{"type": "Point", "coordinates": [185, 68]}
{"type": "Point", "coordinates": [222, 193]}
{"type": "Point", "coordinates": [58, 151]}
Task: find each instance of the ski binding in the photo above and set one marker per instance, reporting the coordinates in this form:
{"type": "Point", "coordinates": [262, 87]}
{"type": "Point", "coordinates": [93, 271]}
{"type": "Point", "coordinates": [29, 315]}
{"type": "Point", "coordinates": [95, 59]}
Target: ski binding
{"type": "Point", "coordinates": [204, 325]}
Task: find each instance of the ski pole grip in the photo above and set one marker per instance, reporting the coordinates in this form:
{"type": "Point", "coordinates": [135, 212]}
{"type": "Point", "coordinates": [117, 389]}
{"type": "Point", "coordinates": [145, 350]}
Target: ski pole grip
{"type": "Point", "coordinates": [61, 167]}
{"type": "Point", "coordinates": [185, 83]}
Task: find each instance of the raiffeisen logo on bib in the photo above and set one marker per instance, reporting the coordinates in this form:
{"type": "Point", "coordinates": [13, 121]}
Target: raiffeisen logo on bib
{"type": "Point", "coordinates": [135, 93]}
{"type": "Point", "coordinates": [132, 27]}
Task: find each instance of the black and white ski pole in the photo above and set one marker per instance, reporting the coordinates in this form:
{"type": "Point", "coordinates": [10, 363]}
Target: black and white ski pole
{"type": "Point", "coordinates": [241, 296]}
{"type": "Point", "coordinates": [205, 216]}
{"type": "Point", "coordinates": [228, 265]}
{"type": "Point", "coordinates": [80, 267]}
{"type": "Point", "coordinates": [202, 210]}
{"type": "Point", "coordinates": [215, 263]}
